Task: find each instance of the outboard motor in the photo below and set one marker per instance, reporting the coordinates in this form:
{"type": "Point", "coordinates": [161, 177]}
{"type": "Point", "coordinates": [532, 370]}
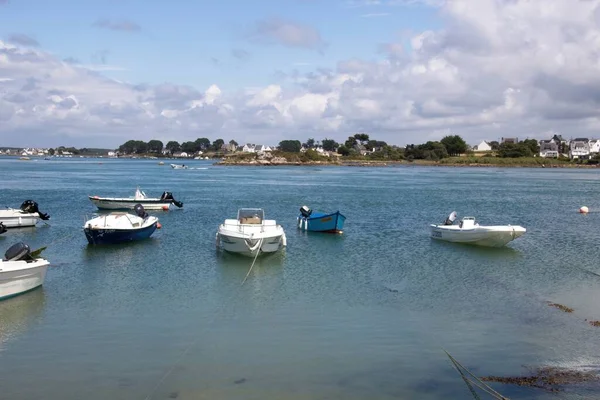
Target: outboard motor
{"type": "Point", "coordinates": [139, 210]}
{"type": "Point", "coordinates": [30, 206]}
{"type": "Point", "coordinates": [305, 211]}
{"type": "Point", "coordinates": [169, 196]}
{"type": "Point", "coordinates": [18, 252]}
{"type": "Point", "coordinates": [2, 228]}
{"type": "Point", "coordinates": [451, 218]}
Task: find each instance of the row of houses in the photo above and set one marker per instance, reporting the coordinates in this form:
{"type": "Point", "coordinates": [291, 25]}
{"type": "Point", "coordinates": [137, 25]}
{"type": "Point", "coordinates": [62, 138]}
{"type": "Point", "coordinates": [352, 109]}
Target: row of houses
{"type": "Point", "coordinates": [578, 148]}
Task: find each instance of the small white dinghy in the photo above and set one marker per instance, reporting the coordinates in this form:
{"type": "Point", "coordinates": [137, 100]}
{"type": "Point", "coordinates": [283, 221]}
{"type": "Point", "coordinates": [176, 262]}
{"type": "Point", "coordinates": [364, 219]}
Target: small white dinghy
{"type": "Point", "coordinates": [250, 234]}
{"type": "Point", "coordinates": [118, 227]}
{"type": "Point", "coordinates": [21, 270]}
{"type": "Point", "coordinates": [27, 215]}
{"type": "Point", "coordinates": [470, 232]}
{"type": "Point", "coordinates": [179, 166]}
{"type": "Point", "coordinates": [128, 203]}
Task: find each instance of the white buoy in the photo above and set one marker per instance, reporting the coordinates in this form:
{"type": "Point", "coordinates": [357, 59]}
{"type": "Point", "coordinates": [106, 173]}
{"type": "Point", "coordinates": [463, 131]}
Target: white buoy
{"type": "Point", "coordinates": [584, 210]}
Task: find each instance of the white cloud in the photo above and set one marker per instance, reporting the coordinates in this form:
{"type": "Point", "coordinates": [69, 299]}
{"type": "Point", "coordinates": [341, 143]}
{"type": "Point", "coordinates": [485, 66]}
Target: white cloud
{"type": "Point", "coordinates": [498, 68]}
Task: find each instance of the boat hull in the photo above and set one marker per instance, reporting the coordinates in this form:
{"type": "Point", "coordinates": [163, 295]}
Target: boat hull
{"type": "Point", "coordinates": [113, 236]}
{"type": "Point", "coordinates": [104, 203]}
{"type": "Point", "coordinates": [16, 219]}
{"type": "Point", "coordinates": [19, 281]}
{"type": "Point", "coordinates": [480, 236]}
{"type": "Point", "coordinates": [321, 222]}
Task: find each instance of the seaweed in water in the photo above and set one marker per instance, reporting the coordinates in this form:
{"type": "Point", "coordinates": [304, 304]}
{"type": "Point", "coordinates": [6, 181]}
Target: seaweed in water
{"type": "Point", "coordinates": [548, 378]}
{"type": "Point", "coordinates": [561, 307]}
{"type": "Point", "coordinates": [594, 323]}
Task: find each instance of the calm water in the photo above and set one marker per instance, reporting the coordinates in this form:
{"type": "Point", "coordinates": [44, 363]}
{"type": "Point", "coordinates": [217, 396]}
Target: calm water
{"type": "Point", "coordinates": [364, 315]}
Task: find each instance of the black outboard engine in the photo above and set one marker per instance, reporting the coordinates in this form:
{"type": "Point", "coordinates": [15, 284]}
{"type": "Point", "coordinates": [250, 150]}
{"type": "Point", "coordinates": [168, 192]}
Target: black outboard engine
{"type": "Point", "coordinates": [139, 210]}
{"type": "Point", "coordinates": [305, 211]}
{"type": "Point", "coordinates": [451, 218]}
{"type": "Point", "coordinates": [30, 206]}
{"type": "Point", "coordinates": [18, 252]}
{"type": "Point", "coordinates": [169, 196]}
{"type": "Point", "coordinates": [2, 228]}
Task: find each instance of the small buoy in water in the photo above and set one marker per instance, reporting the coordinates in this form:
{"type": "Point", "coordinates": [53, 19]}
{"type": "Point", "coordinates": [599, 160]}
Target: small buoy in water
{"type": "Point", "coordinates": [165, 208]}
{"type": "Point", "coordinates": [584, 210]}
{"type": "Point", "coordinates": [158, 225]}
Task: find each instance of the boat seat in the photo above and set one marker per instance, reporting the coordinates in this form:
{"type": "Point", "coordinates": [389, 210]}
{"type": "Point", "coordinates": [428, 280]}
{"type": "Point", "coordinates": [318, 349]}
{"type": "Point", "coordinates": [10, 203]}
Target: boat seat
{"type": "Point", "coordinates": [250, 220]}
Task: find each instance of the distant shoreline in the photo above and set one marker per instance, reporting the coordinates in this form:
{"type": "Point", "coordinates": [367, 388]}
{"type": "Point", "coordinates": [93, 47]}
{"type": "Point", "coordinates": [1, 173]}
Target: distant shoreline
{"type": "Point", "coordinates": [416, 163]}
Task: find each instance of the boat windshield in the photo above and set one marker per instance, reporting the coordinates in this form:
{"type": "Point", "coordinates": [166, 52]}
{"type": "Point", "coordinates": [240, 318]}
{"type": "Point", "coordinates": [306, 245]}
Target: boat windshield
{"type": "Point", "coordinates": [251, 215]}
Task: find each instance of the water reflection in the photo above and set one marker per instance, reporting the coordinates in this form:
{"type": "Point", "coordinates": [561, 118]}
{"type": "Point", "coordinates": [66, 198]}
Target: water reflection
{"type": "Point", "coordinates": [18, 313]}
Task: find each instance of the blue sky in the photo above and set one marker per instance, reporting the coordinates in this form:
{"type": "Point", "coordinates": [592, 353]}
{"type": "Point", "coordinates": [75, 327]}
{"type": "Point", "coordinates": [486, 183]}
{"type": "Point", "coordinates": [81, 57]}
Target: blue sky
{"type": "Point", "coordinates": [192, 42]}
{"type": "Point", "coordinates": [101, 72]}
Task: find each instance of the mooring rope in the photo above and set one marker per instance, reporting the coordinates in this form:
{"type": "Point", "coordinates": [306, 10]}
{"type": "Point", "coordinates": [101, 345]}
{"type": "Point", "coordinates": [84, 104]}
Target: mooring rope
{"type": "Point", "coordinates": [477, 382]}
{"type": "Point", "coordinates": [195, 341]}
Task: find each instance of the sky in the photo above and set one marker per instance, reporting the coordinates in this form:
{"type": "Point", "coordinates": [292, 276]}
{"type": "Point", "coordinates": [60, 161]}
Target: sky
{"type": "Point", "coordinates": [96, 73]}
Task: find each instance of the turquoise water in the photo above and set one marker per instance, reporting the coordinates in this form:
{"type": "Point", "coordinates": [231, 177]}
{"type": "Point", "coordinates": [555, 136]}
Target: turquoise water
{"type": "Point", "coordinates": [363, 315]}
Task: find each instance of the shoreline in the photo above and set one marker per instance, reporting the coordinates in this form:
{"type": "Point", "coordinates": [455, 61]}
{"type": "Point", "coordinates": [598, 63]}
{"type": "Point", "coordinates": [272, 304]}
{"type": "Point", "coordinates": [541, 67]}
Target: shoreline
{"type": "Point", "coordinates": [419, 163]}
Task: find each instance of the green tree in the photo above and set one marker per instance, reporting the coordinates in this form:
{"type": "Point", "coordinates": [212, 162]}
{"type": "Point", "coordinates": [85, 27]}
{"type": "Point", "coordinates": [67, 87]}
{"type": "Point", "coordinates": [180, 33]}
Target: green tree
{"type": "Point", "coordinates": [233, 143]}
{"type": "Point", "coordinates": [155, 146]}
{"type": "Point", "coordinates": [188, 147]}
{"type": "Point", "coordinates": [455, 145]}
{"type": "Point", "coordinates": [51, 152]}
{"type": "Point", "coordinates": [494, 145]}
{"type": "Point", "coordinates": [217, 144]}
{"type": "Point", "coordinates": [362, 138]}
{"type": "Point", "coordinates": [173, 147]}
{"type": "Point", "coordinates": [126, 148]}
{"type": "Point", "coordinates": [202, 144]}
{"type": "Point", "coordinates": [514, 150]}
{"type": "Point", "coordinates": [343, 150]}
{"type": "Point", "coordinates": [310, 143]}
{"type": "Point", "coordinates": [291, 146]}
{"type": "Point", "coordinates": [533, 145]}
{"type": "Point", "coordinates": [350, 142]}
{"type": "Point", "coordinates": [330, 145]}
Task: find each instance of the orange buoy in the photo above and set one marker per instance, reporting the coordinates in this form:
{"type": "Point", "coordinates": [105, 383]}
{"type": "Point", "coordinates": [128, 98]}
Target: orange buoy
{"type": "Point", "coordinates": [158, 225]}
{"type": "Point", "coordinates": [584, 210]}
{"type": "Point", "coordinates": [165, 208]}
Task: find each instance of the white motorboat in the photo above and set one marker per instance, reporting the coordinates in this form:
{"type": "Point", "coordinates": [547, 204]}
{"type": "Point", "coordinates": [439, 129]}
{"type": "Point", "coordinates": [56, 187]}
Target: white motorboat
{"type": "Point", "coordinates": [250, 234]}
{"type": "Point", "coordinates": [118, 227]}
{"type": "Point", "coordinates": [128, 203]}
{"type": "Point", "coordinates": [470, 232]}
{"type": "Point", "coordinates": [27, 215]}
{"type": "Point", "coordinates": [179, 166]}
{"type": "Point", "coordinates": [21, 271]}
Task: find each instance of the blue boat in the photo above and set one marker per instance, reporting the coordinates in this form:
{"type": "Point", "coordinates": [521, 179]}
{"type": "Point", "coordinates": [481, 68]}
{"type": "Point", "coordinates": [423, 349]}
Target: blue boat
{"type": "Point", "coordinates": [313, 221]}
{"type": "Point", "coordinates": [119, 227]}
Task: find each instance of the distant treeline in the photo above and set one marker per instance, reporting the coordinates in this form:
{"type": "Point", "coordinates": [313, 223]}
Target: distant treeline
{"type": "Point", "coordinates": [156, 146]}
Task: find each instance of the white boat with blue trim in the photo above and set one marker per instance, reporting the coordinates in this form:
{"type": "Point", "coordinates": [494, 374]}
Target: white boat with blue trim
{"type": "Point", "coordinates": [470, 232]}
{"type": "Point", "coordinates": [21, 271]}
{"type": "Point", "coordinates": [250, 234]}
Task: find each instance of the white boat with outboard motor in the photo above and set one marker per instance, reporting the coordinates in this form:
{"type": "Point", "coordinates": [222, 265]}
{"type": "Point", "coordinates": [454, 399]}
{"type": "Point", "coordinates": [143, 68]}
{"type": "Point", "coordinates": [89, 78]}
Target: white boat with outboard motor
{"type": "Point", "coordinates": [21, 270]}
{"type": "Point", "coordinates": [179, 166]}
{"type": "Point", "coordinates": [128, 203]}
{"type": "Point", "coordinates": [27, 215]}
{"type": "Point", "coordinates": [470, 232]}
{"type": "Point", "coordinates": [250, 234]}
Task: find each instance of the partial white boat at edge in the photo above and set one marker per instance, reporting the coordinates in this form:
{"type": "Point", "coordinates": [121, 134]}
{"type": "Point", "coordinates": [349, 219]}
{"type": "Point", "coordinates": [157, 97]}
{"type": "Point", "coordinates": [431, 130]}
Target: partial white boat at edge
{"type": "Point", "coordinates": [27, 215]}
{"type": "Point", "coordinates": [19, 273]}
{"type": "Point", "coordinates": [250, 234]}
{"type": "Point", "coordinates": [470, 232]}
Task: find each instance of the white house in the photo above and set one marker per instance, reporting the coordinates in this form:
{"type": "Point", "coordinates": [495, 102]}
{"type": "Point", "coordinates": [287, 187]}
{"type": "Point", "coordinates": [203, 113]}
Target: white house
{"type": "Point", "coordinates": [595, 146]}
{"type": "Point", "coordinates": [249, 148]}
{"type": "Point", "coordinates": [262, 148]}
{"type": "Point", "coordinates": [483, 146]}
{"type": "Point", "coordinates": [111, 154]}
{"type": "Point", "coordinates": [579, 148]}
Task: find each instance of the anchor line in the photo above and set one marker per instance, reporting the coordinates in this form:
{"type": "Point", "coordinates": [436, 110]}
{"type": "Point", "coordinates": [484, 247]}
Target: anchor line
{"type": "Point", "coordinates": [195, 341]}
